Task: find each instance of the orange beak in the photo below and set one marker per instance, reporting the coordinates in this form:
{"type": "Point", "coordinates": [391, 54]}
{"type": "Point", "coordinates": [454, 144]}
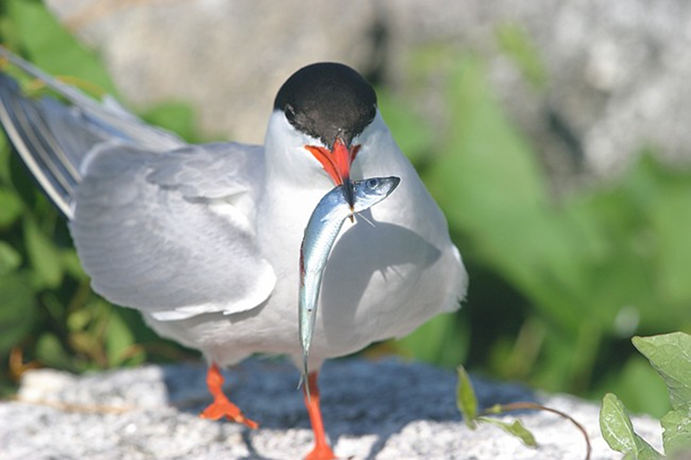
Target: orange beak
{"type": "Point", "coordinates": [337, 163]}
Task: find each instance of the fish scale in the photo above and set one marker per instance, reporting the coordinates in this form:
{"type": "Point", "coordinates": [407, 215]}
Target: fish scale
{"type": "Point", "coordinates": [322, 229]}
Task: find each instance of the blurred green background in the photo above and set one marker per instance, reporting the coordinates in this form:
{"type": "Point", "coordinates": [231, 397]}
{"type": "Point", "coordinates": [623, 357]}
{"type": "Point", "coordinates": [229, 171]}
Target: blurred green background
{"type": "Point", "coordinates": [558, 285]}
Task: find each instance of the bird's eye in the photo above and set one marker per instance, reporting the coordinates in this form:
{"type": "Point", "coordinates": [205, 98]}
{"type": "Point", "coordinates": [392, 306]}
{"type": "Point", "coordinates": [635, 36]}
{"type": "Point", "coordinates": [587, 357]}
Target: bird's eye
{"type": "Point", "coordinates": [372, 183]}
{"type": "Point", "coordinates": [289, 112]}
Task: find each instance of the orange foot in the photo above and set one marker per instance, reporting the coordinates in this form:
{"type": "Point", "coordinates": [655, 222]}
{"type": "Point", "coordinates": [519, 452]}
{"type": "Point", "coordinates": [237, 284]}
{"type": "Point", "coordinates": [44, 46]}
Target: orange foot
{"type": "Point", "coordinates": [321, 450]}
{"type": "Point", "coordinates": [321, 453]}
{"type": "Point", "coordinates": [222, 407]}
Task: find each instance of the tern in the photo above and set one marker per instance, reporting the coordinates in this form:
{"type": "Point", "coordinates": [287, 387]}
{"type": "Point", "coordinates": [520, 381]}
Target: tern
{"type": "Point", "coordinates": [204, 240]}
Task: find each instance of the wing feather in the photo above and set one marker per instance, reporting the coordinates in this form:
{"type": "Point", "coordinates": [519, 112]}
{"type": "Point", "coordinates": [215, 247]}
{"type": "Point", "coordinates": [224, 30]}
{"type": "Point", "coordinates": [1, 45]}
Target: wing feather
{"type": "Point", "coordinates": [52, 137]}
{"type": "Point", "coordinates": [162, 232]}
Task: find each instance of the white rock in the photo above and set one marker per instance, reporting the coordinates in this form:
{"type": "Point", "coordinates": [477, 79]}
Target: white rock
{"type": "Point", "coordinates": [382, 410]}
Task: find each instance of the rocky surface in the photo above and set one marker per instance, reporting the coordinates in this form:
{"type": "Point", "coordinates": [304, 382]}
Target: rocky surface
{"type": "Point", "coordinates": [372, 410]}
{"type": "Point", "coordinates": [616, 72]}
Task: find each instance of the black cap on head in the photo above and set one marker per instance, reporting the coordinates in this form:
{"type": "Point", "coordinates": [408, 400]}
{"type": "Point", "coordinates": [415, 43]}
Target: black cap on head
{"type": "Point", "coordinates": [327, 100]}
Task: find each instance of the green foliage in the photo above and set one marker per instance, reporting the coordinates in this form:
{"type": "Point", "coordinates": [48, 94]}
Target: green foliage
{"type": "Point", "coordinates": [639, 386]}
{"type": "Point", "coordinates": [588, 270]}
{"type": "Point", "coordinates": [467, 404]}
{"type": "Point", "coordinates": [670, 355]}
{"type": "Point", "coordinates": [466, 401]}
{"type": "Point", "coordinates": [32, 29]}
{"type": "Point", "coordinates": [48, 314]}
{"type": "Point", "coordinates": [514, 428]}
{"type": "Point", "coordinates": [557, 286]}
{"type": "Point", "coordinates": [18, 310]}
{"type": "Point", "coordinates": [518, 47]}
{"type": "Point", "coordinates": [441, 340]}
{"type": "Point", "coordinates": [10, 207]}
{"type": "Point", "coordinates": [618, 431]}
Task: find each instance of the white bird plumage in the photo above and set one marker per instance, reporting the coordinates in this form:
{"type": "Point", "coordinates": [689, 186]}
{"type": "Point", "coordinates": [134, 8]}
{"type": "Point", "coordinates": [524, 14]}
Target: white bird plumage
{"type": "Point", "coordinates": [381, 281]}
{"type": "Point", "coordinates": [204, 239]}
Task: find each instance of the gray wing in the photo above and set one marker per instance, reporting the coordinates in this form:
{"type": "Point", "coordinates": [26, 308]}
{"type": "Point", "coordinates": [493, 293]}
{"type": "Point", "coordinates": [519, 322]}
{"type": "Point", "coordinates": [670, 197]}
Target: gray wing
{"type": "Point", "coordinates": [159, 226]}
{"type": "Point", "coordinates": [53, 138]}
{"type": "Point", "coordinates": [169, 233]}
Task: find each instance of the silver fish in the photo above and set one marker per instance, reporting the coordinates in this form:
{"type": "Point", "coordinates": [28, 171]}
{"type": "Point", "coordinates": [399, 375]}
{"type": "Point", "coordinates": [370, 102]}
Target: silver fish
{"type": "Point", "coordinates": [320, 234]}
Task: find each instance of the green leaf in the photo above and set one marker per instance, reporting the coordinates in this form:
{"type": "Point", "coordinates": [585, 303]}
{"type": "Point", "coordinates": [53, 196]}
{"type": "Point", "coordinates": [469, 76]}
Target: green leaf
{"type": "Point", "coordinates": [617, 430]}
{"type": "Point", "coordinates": [676, 435]}
{"type": "Point", "coordinates": [492, 189]}
{"type": "Point", "coordinates": [44, 257]}
{"type": "Point", "coordinates": [73, 265]}
{"type": "Point", "coordinates": [670, 355]}
{"type": "Point", "coordinates": [671, 224]}
{"type": "Point", "coordinates": [17, 310]}
{"type": "Point", "coordinates": [10, 259]}
{"type": "Point", "coordinates": [466, 401]}
{"type": "Point", "coordinates": [638, 386]}
{"type": "Point", "coordinates": [5, 154]}
{"type": "Point", "coordinates": [514, 428]}
{"type": "Point", "coordinates": [118, 337]}
{"type": "Point", "coordinates": [10, 207]}
{"type": "Point", "coordinates": [50, 352]}
{"type": "Point", "coordinates": [52, 47]}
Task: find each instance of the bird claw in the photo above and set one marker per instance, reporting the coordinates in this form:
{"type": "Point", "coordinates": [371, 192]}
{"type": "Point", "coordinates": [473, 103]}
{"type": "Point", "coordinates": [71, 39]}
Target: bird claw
{"type": "Point", "coordinates": [222, 407]}
{"type": "Point", "coordinates": [321, 453]}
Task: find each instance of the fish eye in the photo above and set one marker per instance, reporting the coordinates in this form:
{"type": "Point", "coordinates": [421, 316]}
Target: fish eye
{"type": "Point", "coordinates": [372, 183]}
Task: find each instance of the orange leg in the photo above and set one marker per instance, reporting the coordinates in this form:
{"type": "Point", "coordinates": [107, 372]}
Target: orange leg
{"type": "Point", "coordinates": [322, 450]}
{"type": "Point", "coordinates": [222, 406]}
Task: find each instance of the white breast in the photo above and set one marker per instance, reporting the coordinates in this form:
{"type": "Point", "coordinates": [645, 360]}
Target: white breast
{"type": "Point", "coordinates": [381, 281]}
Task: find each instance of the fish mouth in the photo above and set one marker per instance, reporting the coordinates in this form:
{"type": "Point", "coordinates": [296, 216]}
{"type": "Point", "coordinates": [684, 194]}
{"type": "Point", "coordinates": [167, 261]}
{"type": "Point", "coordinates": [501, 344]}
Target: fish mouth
{"type": "Point", "coordinates": [349, 195]}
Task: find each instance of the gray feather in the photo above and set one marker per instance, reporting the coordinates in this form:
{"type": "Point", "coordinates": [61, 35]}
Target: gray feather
{"type": "Point", "coordinates": [159, 225]}
{"type": "Point", "coordinates": [152, 238]}
{"type": "Point", "coordinates": [53, 138]}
